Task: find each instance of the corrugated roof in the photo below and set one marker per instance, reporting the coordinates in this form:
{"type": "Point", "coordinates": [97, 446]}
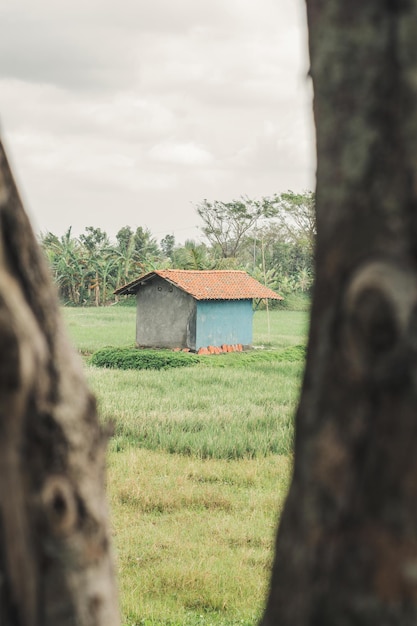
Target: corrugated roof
{"type": "Point", "coordinates": [207, 284]}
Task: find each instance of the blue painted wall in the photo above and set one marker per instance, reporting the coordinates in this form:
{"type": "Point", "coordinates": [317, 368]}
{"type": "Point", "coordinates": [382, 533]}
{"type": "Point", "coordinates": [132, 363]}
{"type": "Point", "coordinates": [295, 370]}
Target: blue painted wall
{"type": "Point", "coordinates": [223, 321]}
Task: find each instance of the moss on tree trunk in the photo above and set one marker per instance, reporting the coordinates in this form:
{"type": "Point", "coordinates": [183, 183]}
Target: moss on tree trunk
{"type": "Point", "coordinates": [346, 549]}
{"type": "Point", "coordinates": [55, 559]}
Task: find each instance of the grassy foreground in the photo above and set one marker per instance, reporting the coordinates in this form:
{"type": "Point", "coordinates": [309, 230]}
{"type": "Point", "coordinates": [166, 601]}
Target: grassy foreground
{"type": "Point", "coordinates": [194, 537]}
{"type": "Point", "coordinates": [198, 469]}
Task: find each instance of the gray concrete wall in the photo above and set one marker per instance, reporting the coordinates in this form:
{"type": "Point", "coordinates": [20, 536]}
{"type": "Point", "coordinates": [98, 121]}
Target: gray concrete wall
{"type": "Point", "coordinates": [166, 316]}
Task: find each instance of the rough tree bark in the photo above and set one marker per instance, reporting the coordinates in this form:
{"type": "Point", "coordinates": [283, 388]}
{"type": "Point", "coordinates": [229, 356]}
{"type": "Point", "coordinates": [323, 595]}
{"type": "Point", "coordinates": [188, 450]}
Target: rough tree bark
{"type": "Point", "coordinates": [346, 549]}
{"type": "Point", "coordinates": [55, 557]}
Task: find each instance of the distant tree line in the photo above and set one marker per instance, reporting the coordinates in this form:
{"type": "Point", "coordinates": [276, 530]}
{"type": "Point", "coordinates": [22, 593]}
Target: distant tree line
{"type": "Point", "coordinates": [272, 239]}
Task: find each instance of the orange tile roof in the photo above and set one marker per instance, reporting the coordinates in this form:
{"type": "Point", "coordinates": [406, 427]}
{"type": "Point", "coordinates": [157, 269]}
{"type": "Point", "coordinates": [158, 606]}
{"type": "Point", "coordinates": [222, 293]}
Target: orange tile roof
{"type": "Point", "coordinates": [208, 284]}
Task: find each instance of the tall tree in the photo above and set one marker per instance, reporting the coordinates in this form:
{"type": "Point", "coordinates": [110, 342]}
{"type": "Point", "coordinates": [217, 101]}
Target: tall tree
{"type": "Point", "coordinates": [227, 223]}
{"type": "Point", "coordinates": [94, 239]}
{"type": "Point", "coordinates": [192, 256]}
{"type": "Point", "coordinates": [66, 259]}
{"type": "Point", "coordinates": [96, 245]}
{"type": "Point", "coordinates": [296, 217]}
{"type": "Point", "coordinates": [124, 238]}
{"type": "Point", "coordinates": [167, 245]}
{"type": "Point", "coordinates": [346, 549]}
{"type": "Point", "coordinates": [146, 246]}
{"type": "Point", "coordinates": [126, 256]}
{"type": "Point", "coordinates": [55, 558]}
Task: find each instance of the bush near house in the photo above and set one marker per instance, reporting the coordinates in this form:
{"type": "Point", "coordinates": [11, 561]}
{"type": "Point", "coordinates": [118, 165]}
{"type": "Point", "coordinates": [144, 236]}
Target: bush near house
{"type": "Point", "coordinates": [132, 358]}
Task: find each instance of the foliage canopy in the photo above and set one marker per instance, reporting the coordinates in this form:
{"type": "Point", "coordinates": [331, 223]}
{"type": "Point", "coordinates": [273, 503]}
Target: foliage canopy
{"type": "Point", "coordinates": [271, 238]}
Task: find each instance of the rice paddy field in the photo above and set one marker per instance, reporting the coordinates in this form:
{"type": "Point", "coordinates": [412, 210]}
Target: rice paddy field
{"type": "Point", "coordinates": [199, 465]}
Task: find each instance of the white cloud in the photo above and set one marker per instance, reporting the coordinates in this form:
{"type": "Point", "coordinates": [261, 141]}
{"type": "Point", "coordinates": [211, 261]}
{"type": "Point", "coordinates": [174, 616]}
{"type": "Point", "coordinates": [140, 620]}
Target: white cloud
{"type": "Point", "coordinates": [186, 153]}
{"type": "Point", "coordinates": [130, 112]}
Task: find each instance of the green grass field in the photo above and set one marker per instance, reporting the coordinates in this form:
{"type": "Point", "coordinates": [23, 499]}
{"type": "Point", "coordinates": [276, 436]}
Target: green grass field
{"type": "Point", "coordinates": [198, 469]}
{"type": "Point", "coordinates": [93, 328]}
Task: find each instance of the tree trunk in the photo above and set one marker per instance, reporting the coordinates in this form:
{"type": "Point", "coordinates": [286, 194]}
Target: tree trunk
{"type": "Point", "coordinates": [346, 549]}
{"type": "Point", "coordinates": [55, 560]}
{"type": "Point", "coordinates": [97, 290]}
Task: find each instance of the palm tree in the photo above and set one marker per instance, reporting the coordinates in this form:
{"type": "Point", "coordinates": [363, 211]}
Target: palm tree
{"type": "Point", "coordinates": [67, 265]}
{"type": "Point", "coordinates": [126, 257]}
{"type": "Point", "coordinates": [192, 256]}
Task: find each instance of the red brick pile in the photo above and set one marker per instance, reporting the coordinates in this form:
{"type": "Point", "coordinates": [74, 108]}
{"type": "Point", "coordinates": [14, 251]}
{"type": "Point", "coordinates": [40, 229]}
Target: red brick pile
{"type": "Point", "coordinates": [221, 349]}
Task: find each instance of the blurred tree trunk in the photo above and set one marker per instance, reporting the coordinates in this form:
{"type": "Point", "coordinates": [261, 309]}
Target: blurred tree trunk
{"type": "Point", "coordinates": [55, 558]}
{"type": "Point", "coordinates": [346, 549]}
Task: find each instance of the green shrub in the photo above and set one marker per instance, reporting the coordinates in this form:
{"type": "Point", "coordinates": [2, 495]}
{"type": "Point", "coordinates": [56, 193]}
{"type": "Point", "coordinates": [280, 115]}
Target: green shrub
{"type": "Point", "coordinates": [256, 358]}
{"type": "Point", "coordinates": [292, 354]}
{"type": "Point", "coordinates": [125, 301]}
{"type": "Point", "coordinates": [135, 359]}
{"type": "Point", "coordinates": [298, 301]}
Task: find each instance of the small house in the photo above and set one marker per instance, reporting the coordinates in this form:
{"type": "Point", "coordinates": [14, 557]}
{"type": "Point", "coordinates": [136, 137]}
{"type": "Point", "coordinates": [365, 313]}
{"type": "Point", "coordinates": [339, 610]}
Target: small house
{"type": "Point", "coordinates": [195, 309]}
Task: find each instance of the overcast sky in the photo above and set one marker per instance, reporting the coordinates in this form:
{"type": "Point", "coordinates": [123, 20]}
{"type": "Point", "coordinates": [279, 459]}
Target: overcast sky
{"type": "Point", "coordinates": [129, 112]}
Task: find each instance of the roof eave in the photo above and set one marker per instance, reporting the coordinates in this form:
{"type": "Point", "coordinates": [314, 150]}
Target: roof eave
{"type": "Point", "coordinates": [132, 287]}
